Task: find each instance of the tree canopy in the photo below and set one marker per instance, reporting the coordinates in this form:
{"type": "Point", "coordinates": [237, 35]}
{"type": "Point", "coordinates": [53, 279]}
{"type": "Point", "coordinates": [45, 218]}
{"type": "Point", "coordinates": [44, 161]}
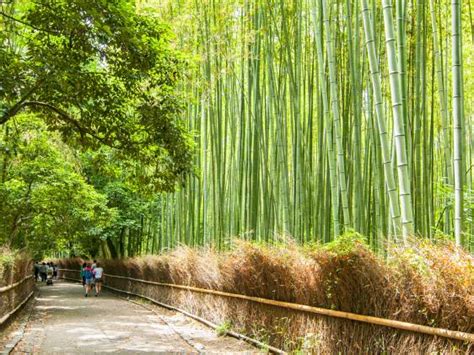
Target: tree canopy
{"type": "Point", "coordinates": [102, 75]}
{"type": "Point", "coordinates": [47, 203]}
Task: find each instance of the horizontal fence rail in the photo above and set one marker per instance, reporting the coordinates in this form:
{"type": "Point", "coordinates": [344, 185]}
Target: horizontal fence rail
{"type": "Point", "coordinates": [9, 287]}
{"type": "Point", "coordinates": [12, 312]}
{"type": "Point", "coordinates": [4, 289]}
{"type": "Point", "coordinates": [417, 328]}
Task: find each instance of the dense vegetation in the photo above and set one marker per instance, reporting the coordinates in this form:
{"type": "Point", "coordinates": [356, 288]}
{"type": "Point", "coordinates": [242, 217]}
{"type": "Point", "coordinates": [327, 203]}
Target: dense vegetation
{"type": "Point", "coordinates": [319, 116]}
{"type": "Point", "coordinates": [90, 119]}
{"type": "Point", "coordinates": [121, 135]}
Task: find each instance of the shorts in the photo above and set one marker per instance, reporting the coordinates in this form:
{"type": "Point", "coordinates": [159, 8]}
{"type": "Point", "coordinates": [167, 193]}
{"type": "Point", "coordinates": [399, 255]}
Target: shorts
{"type": "Point", "coordinates": [98, 280]}
{"type": "Point", "coordinates": [89, 281]}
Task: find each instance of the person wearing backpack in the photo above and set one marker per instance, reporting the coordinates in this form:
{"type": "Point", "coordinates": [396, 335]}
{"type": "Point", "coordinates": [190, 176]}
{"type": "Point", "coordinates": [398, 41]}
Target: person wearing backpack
{"type": "Point", "coordinates": [83, 266]}
{"type": "Point", "coordinates": [88, 277]}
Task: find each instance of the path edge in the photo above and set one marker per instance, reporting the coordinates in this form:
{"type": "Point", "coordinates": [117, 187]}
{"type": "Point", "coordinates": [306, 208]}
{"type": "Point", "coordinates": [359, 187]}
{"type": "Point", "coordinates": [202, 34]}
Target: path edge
{"type": "Point", "coordinates": [11, 345]}
{"type": "Point", "coordinates": [211, 325]}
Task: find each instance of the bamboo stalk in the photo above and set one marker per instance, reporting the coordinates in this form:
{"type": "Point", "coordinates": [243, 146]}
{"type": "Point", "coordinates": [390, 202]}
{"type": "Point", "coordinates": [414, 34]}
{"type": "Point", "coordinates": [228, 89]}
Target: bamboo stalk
{"type": "Point", "coordinates": [457, 118]}
{"type": "Point", "coordinates": [380, 115]}
{"type": "Point", "coordinates": [336, 116]}
{"type": "Point", "coordinates": [328, 123]}
{"type": "Point", "coordinates": [399, 131]}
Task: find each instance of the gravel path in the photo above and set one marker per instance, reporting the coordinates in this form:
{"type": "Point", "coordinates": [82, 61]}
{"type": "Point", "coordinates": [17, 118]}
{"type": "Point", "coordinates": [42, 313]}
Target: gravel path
{"type": "Point", "coordinates": [65, 322]}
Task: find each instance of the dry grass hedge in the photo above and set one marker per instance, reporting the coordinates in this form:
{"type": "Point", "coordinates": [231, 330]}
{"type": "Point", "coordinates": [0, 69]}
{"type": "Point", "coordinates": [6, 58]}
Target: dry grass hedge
{"type": "Point", "coordinates": [429, 284]}
{"type": "Point", "coordinates": [14, 267]}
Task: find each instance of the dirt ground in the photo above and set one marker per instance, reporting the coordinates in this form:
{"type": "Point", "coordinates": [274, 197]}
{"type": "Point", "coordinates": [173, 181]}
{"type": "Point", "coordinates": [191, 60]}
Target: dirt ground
{"type": "Point", "coordinates": [62, 321]}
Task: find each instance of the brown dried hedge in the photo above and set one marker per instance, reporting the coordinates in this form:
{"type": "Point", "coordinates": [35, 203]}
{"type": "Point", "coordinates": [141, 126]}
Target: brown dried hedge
{"type": "Point", "coordinates": [427, 283]}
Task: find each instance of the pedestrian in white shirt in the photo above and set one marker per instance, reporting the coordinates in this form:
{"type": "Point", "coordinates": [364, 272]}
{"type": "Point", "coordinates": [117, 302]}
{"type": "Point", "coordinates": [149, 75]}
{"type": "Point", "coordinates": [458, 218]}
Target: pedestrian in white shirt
{"type": "Point", "coordinates": [99, 277]}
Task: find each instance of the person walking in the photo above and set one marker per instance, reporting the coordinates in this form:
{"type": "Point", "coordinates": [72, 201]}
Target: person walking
{"type": "Point", "coordinates": [99, 278]}
{"type": "Point", "coordinates": [50, 270]}
{"type": "Point", "coordinates": [37, 270]}
{"type": "Point", "coordinates": [93, 266]}
{"type": "Point", "coordinates": [49, 273]}
{"type": "Point", "coordinates": [89, 277]}
{"type": "Point", "coordinates": [55, 271]}
{"type": "Point", "coordinates": [44, 272]}
{"type": "Point", "coordinates": [82, 274]}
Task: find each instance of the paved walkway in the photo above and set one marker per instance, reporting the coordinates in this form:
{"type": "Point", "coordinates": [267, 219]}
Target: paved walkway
{"type": "Point", "coordinates": [65, 322]}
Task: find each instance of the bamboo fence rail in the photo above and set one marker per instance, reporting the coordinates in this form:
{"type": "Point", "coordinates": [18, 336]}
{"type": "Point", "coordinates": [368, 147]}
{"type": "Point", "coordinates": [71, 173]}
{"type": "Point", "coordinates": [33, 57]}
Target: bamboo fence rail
{"type": "Point", "coordinates": [9, 287]}
{"type": "Point", "coordinates": [5, 289]}
{"type": "Point", "coordinates": [417, 328]}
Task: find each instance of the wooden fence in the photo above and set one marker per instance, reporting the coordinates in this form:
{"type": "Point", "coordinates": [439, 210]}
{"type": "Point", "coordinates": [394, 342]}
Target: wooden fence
{"type": "Point", "coordinates": [14, 296]}
{"type": "Point", "coordinates": [417, 328]}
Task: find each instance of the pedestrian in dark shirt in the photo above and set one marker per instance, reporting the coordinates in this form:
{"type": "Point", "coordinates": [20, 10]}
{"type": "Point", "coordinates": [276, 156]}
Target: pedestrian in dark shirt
{"type": "Point", "coordinates": [55, 271]}
{"type": "Point", "coordinates": [89, 277]}
{"type": "Point", "coordinates": [37, 270]}
{"type": "Point", "coordinates": [44, 272]}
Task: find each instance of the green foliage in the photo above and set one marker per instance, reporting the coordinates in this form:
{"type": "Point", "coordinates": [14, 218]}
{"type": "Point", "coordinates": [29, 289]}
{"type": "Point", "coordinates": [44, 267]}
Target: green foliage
{"type": "Point", "coordinates": [104, 79]}
{"type": "Point", "coordinates": [48, 205]}
{"type": "Point", "coordinates": [346, 243]}
{"type": "Point", "coordinates": [124, 183]}
{"type": "Point", "coordinates": [223, 328]}
{"type": "Point", "coordinates": [446, 193]}
{"type": "Point", "coordinates": [7, 259]}
{"type": "Point", "coordinates": [102, 75]}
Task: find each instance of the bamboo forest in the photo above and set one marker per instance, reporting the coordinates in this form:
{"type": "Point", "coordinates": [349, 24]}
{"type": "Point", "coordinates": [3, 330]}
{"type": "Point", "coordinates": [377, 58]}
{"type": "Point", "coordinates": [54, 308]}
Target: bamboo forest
{"type": "Point", "coordinates": [296, 174]}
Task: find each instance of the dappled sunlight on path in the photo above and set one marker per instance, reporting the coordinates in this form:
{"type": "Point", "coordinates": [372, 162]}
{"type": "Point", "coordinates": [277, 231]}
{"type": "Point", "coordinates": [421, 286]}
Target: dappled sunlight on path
{"type": "Point", "coordinates": [64, 321]}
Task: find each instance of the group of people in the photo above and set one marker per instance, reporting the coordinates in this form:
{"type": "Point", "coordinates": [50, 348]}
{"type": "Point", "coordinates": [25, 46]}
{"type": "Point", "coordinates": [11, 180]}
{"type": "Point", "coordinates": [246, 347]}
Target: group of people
{"type": "Point", "coordinates": [44, 270]}
{"type": "Point", "coordinates": [92, 277]}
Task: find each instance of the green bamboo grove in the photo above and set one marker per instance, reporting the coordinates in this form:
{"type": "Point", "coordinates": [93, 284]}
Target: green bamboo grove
{"type": "Point", "coordinates": [314, 117]}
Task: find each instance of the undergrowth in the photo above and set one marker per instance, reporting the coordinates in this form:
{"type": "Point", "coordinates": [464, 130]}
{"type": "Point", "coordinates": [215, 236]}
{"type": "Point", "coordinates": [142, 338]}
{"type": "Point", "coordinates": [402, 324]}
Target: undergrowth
{"type": "Point", "coordinates": [223, 328]}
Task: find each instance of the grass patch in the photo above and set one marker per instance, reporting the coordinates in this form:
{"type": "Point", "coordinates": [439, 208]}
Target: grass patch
{"type": "Point", "coordinates": [223, 328]}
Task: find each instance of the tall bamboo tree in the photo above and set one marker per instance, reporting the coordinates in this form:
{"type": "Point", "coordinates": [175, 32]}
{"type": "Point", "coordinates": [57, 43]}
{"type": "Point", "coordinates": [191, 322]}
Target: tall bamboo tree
{"type": "Point", "coordinates": [328, 123]}
{"type": "Point", "coordinates": [336, 114]}
{"type": "Point", "coordinates": [457, 117]}
{"type": "Point", "coordinates": [379, 110]}
{"type": "Point", "coordinates": [398, 126]}
{"type": "Point", "coordinates": [443, 104]}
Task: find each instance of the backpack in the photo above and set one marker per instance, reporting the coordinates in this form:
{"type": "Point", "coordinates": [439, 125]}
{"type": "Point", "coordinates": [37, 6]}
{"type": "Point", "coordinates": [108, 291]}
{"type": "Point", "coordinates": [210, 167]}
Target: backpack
{"type": "Point", "coordinates": [49, 282]}
{"type": "Point", "coordinates": [87, 273]}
